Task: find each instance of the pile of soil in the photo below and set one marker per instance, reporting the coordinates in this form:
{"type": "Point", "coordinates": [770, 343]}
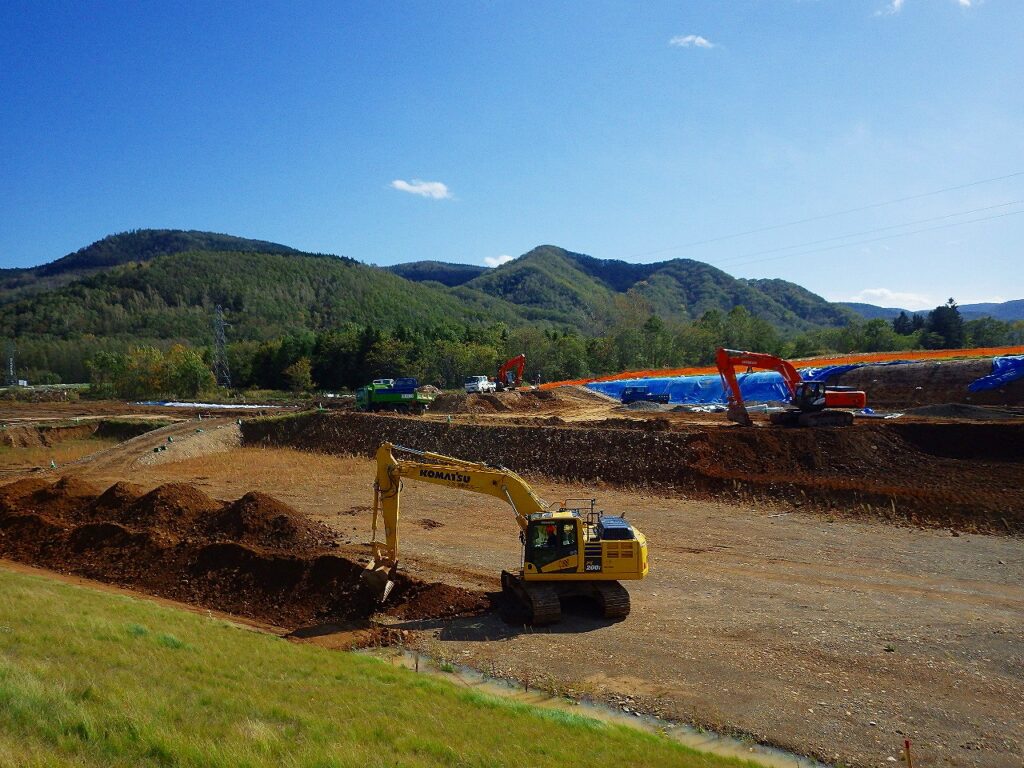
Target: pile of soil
{"type": "Point", "coordinates": [923, 383]}
{"type": "Point", "coordinates": [961, 475]}
{"type": "Point", "coordinates": [254, 556]}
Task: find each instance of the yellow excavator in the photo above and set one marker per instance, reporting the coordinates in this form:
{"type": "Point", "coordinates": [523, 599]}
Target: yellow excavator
{"type": "Point", "coordinates": [567, 550]}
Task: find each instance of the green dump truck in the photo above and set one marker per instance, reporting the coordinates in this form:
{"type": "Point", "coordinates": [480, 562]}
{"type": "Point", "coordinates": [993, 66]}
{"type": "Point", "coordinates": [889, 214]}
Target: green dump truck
{"type": "Point", "coordinates": [401, 395]}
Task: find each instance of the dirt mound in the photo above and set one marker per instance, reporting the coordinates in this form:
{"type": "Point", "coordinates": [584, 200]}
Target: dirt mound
{"type": "Point", "coordinates": [176, 507]}
{"type": "Point", "coordinates": [431, 601]}
{"type": "Point", "coordinates": [118, 496]}
{"type": "Point", "coordinates": [923, 383]}
{"type": "Point", "coordinates": [262, 520]}
{"type": "Point", "coordinates": [962, 411]}
{"type": "Point", "coordinates": [12, 493]}
{"type": "Point", "coordinates": [254, 557]}
{"type": "Point", "coordinates": [462, 403]}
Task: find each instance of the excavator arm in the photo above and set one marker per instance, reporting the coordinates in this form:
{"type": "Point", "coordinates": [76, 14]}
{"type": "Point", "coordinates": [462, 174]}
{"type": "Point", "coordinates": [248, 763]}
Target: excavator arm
{"type": "Point", "coordinates": [435, 468]}
{"type": "Point", "coordinates": [728, 359]}
{"type": "Point", "coordinates": [510, 374]}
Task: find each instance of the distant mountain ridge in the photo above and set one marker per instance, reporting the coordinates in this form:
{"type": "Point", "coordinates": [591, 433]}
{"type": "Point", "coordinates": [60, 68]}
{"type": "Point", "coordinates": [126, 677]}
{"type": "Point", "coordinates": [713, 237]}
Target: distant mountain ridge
{"type": "Point", "coordinates": [150, 285]}
{"type": "Point", "coordinates": [549, 282]}
{"type": "Point", "coordinates": [1006, 311]}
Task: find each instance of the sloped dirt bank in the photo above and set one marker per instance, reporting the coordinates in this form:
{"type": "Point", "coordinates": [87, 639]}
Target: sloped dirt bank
{"type": "Point", "coordinates": [253, 557]}
{"type": "Point", "coordinates": [866, 469]}
{"type": "Point", "coordinates": [45, 435]}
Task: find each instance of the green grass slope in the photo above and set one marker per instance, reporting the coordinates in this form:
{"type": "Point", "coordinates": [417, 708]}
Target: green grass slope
{"type": "Point", "coordinates": [89, 678]}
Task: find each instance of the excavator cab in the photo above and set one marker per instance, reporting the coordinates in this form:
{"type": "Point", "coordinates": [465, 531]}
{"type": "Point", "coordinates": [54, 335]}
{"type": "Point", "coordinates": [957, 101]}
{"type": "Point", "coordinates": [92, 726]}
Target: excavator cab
{"type": "Point", "coordinates": [809, 396]}
{"type": "Point", "coordinates": [550, 541]}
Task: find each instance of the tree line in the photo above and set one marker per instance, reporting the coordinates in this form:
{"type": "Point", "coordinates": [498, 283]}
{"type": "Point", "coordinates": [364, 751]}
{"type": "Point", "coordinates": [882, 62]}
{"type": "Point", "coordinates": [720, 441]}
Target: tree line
{"type": "Point", "coordinates": [347, 357]}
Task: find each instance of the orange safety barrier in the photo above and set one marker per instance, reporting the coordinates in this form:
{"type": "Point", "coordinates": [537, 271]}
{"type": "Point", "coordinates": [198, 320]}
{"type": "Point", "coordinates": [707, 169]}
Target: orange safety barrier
{"type": "Point", "coordinates": [817, 362]}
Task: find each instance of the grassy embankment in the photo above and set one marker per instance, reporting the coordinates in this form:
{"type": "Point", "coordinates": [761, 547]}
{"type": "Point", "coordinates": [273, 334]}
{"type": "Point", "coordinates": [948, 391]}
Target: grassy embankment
{"type": "Point", "coordinates": [91, 678]}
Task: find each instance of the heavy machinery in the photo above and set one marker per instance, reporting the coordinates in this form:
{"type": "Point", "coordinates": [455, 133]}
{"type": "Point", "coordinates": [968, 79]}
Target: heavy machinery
{"type": "Point", "coordinates": [567, 549]}
{"type": "Point", "coordinates": [811, 403]}
{"type": "Point", "coordinates": [641, 393]}
{"type": "Point", "coordinates": [510, 374]}
{"type": "Point", "coordinates": [401, 395]}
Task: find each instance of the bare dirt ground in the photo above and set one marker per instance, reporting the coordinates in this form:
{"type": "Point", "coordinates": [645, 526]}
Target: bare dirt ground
{"type": "Point", "coordinates": [824, 634]}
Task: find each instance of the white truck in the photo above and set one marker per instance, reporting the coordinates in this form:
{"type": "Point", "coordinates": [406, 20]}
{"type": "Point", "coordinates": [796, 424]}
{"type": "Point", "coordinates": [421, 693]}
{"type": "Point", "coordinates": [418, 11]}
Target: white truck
{"type": "Point", "coordinates": [479, 384]}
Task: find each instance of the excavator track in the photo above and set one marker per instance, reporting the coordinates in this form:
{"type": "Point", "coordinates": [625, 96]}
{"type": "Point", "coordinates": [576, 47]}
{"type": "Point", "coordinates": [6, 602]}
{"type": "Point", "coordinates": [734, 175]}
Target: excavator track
{"type": "Point", "coordinates": [539, 603]}
{"type": "Point", "coordinates": [613, 599]}
{"type": "Point", "coordinates": [545, 607]}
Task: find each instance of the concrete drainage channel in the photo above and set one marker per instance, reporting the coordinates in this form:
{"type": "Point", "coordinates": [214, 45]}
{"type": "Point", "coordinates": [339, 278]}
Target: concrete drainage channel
{"type": "Point", "coordinates": [702, 740]}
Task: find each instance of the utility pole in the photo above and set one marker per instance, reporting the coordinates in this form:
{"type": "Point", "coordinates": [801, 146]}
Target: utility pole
{"type": "Point", "coordinates": [220, 349]}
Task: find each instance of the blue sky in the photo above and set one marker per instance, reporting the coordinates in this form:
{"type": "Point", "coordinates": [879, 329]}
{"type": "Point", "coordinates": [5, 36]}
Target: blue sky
{"type": "Point", "coordinates": [472, 131]}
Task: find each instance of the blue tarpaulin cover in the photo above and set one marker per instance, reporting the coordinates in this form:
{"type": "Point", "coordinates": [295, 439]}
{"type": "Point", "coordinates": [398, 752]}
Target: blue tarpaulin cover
{"type": "Point", "coordinates": [1004, 370]}
{"type": "Point", "coordinates": [758, 387]}
{"type": "Point", "coordinates": [762, 386]}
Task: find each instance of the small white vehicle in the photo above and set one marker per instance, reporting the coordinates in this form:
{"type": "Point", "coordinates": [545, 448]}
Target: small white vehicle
{"type": "Point", "coordinates": [479, 384]}
{"type": "Point", "coordinates": [384, 382]}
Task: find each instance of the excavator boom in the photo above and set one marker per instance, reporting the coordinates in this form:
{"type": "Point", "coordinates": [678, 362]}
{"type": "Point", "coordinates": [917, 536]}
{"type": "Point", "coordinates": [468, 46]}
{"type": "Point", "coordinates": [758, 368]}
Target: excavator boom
{"type": "Point", "coordinates": [510, 374]}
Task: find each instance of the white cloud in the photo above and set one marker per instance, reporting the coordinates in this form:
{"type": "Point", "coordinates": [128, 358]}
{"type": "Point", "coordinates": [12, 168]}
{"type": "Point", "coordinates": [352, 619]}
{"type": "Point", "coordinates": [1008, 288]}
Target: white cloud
{"type": "Point", "coordinates": [497, 261]}
{"type": "Point", "coordinates": [435, 190]}
{"type": "Point", "coordinates": [692, 41]}
{"type": "Point", "coordinates": [895, 6]}
{"type": "Point", "coordinates": [883, 297]}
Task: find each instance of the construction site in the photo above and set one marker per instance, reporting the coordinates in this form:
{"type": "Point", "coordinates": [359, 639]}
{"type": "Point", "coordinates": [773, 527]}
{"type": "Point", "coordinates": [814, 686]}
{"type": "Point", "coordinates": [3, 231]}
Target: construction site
{"type": "Point", "coordinates": [829, 591]}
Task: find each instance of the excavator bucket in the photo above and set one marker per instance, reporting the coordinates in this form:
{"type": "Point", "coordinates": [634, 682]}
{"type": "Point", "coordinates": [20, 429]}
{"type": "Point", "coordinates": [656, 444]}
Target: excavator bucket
{"type": "Point", "coordinates": [379, 577]}
{"type": "Point", "coordinates": [738, 413]}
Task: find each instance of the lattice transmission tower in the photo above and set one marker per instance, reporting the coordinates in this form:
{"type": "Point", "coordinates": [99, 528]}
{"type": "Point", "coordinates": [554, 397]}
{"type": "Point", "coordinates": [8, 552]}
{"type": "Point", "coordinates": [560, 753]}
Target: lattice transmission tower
{"type": "Point", "coordinates": [10, 377]}
{"type": "Point", "coordinates": [221, 371]}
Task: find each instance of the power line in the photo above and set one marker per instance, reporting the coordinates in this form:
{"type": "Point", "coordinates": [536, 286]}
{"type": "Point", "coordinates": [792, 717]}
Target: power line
{"type": "Point", "coordinates": [866, 232]}
{"type": "Point", "coordinates": [828, 215]}
{"type": "Point", "coordinates": [886, 237]}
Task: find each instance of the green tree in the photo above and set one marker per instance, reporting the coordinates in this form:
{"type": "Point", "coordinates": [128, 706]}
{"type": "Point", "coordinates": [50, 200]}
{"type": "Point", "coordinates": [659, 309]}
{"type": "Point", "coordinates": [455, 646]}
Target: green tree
{"type": "Point", "coordinates": [944, 328]}
{"type": "Point", "coordinates": [299, 375]}
{"type": "Point", "coordinates": [187, 373]}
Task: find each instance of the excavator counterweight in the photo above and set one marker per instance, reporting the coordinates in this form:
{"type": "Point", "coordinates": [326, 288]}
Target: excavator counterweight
{"type": "Point", "coordinates": [567, 549]}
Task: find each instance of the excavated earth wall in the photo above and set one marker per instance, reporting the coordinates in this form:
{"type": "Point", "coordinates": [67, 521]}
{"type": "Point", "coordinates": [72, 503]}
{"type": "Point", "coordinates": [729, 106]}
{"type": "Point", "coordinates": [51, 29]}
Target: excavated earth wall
{"type": "Point", "coordinates": [899, 474]}
{"type": "Point", "coordinates": [34, 435]}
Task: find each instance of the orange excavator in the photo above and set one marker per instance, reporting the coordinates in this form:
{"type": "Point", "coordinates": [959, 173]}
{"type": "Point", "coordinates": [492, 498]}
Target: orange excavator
{"type": "Point", "coordinates": [811, 403]}
{"type": "Point", "coordinates": [510, 375]}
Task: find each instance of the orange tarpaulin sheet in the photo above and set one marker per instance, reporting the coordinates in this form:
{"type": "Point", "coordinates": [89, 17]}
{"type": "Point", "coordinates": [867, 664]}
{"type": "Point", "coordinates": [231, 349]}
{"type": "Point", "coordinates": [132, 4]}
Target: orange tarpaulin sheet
{"type": "Point", "coordinates": [817, 362]}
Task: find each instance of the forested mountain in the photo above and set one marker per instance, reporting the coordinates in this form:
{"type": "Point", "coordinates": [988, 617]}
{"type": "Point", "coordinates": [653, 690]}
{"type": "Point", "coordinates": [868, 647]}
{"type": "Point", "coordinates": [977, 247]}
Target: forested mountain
{"type": "Point", "coordinates": [111, 251]}
{"type": "Point", "coordinates": [571, 313]}
{"type": "Point", "coordinates": [437, 271]}
{"type": "Point", "coordinates": [264, 294]}
{"type": "Point", "coordinates": [593, 292]}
